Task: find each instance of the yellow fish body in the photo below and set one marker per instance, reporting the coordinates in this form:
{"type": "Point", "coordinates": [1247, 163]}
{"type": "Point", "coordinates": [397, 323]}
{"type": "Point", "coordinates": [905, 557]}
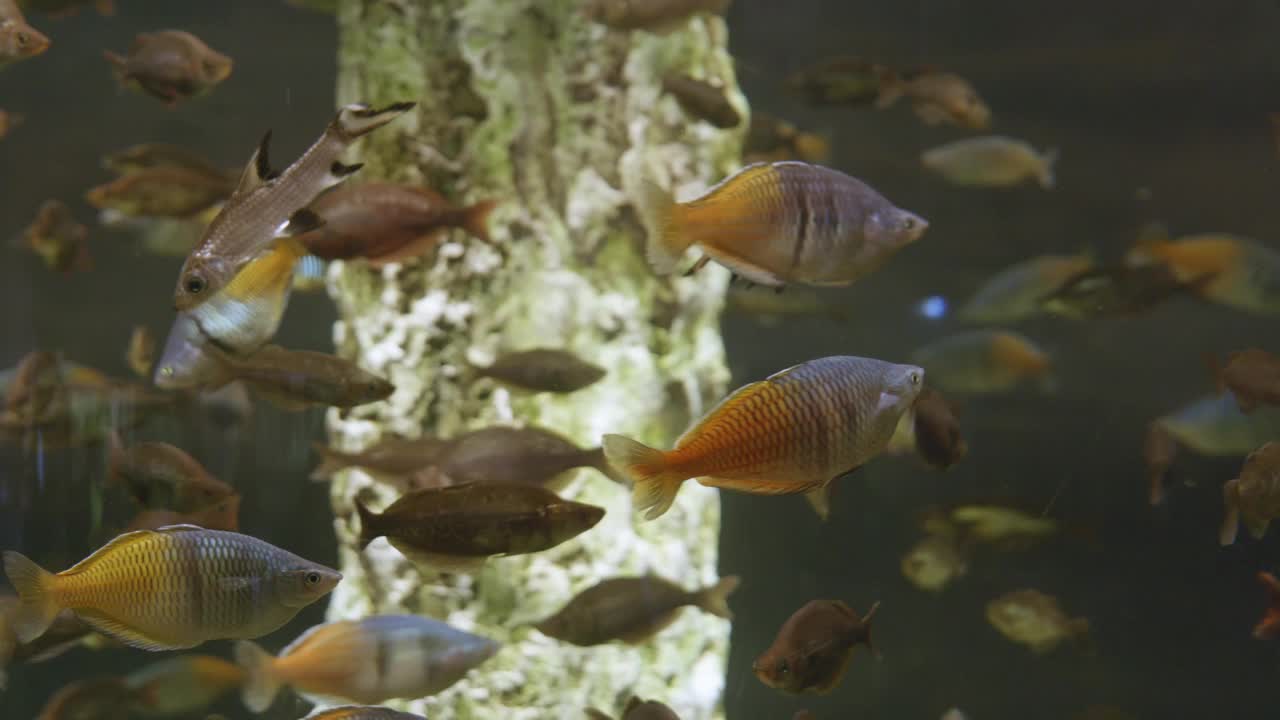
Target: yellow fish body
{"type": "Point", "coordinates": [171, 588]}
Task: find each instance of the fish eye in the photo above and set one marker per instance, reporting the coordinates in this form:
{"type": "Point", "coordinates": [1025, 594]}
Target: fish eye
{"type": "Point", "coordinates": [915, 377]}
{"type": "Point", "coordinates": [22, 38]}
{"type": "Point", "coordinates": [783, 667]}
{"type": "Point", "coordinates": [194, 284]}
{"type": "Point", "coordinates": [909, 224]}
{"type": "Point", "coordinates": [313, 578]}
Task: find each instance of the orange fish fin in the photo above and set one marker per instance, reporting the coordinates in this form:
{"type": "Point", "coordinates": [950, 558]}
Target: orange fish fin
{"type": "Point", "coordinates": [761, 484]}
{"type": "Point", "coordinates": [668, 238]}
{"type": "Point", "coordinates": [655, 483]}
{"type": "Point", "coordinates": [270, 273]}
{"type": "Point", "coordinates": [475, 219]}
{"type": "Point", "coordinates": [715, 599]}
{"type": "Point", "coordinates": [34, 586]}
{"type": "Point", "coordinates": [118, 630]}
{"type": "Point", "coordinates": [261, 684]}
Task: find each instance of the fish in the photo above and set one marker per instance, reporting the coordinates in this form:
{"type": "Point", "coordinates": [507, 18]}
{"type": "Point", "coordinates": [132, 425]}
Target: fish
{"type": "Point", "coordinates": [937, 97]}
{"type": "Point", "coordinates": [840, 81]}
{"type": "Point", "coordinates": [1001, 525]}
{"type": "Point", "coordinates": [364, 661]}
{"type": "Point", "coordinates": [159, 475]}
{"type": "Point", "coordinates": [542, 370]}
{"type": "Point", "coordinates": [389, 460]}
{"type": "Point", "coordinates": [991, 161]}
{"type": "Point", "coordinates": [632, 609]}
{"type": "Point", "coordinates": [385, 223]}
{"type": "Point", "coordinates": [172, 65]}
{"type": "Point", "coordinates": [148, 156]}
{"type": "Point", "coordinates": [500, 455]}
{"type": "Point", "coordinates": [141, 352]}
{"type": "Point", "coordinates": [195, 585]}
{"type": "Point", "coordinates": [456, 528]}
{"type": "Point", "coordinates": [66, 632]}
{"type": "Point", "coordinates": [1230, 270]}
{"type": "Point", "coordinates": [1268, 628]}
{"type": "Point", "coordinates": [935, 561]}
{"type": "Point", "coordinates": [1034, 619]}
{"type": "Point", "coordinates": [779, 223]}
{"type": "Point", "coordinates": [221, 515]}
{"type": "Point", "coordinates": [298, 379]}
{"type": "Point", "coordinates": [702, 100]}
{"type": "Point", "coordinates": [1019, 291]}
{"type": "Point", "coordinates": [637, 709]}
{"type": "Point", "coordinates": [95, 698]}
{"type": "Point", "coordinates": [813, 647]}
{"type": "Point", "coordinates": [182, 685]}
{"type": "Point", "coordinates": [1116, 290]}
{"type": "Point", "coordinates": [362, 712]}
{"type": "Point", "coordinates": [770, 307]}
{"type": "Point", "coordinates": [58, 239]}
{"type": "Point", "coordinates": [1253, 496]}
{"type": "Point", "coordinates": [793, 432]}
{"type": "Point", "coordinates": [659, 16]}
{"type": "Point", "coordinates": [18, 40]}
{"type": "Point", "coordinates": [771, 139]}
{"type": "Point", "coordinates": [983, 361]}
{"type": "Point", "coordinates": [165, 191]}
{"type": "Point", "coordinates": [1158, 452]}
{"type": "Point", "coordinates": [936, 430]}
{"type": "Point", "coordinates": [8, 121]}
{"type": "Point", "coordinates": [309, 274]}
{"type": "Point", "coordinates": [1213, 425]}
{"type": "Point", "coordinates": [33, 382]}
{"type": "Point", "coordinates": [1252, 376]}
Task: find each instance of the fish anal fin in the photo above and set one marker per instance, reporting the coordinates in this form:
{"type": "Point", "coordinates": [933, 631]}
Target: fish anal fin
{"type": "Point", "coordinates": [116, 629]}
{"type": "Point", "coordinates": [743, 268]}
{"type": "Point", "coordinates": [433, 563]}
{"type": "Point", "coordinates": [642, 633]}
{"type": "Point", "coordinates": [762, 484]}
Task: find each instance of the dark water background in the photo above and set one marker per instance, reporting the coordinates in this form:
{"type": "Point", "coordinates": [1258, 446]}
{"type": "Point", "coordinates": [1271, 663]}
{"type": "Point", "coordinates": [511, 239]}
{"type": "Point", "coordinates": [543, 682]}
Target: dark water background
{"type": "Point", "coordinates": [1168, 97]}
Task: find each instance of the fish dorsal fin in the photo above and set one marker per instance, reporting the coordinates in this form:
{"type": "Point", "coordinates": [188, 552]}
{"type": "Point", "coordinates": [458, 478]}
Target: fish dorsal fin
{"type": "Point", "coordinates": [741, 395]}
{"type": "Point", "coordinates": [116, 542]}
{"type": "Point", "coordinates": [302, 639]}
{"type": "Point", "coordinates": [258, 172]}
{"type": "Point", "coordinates": [173, 529]}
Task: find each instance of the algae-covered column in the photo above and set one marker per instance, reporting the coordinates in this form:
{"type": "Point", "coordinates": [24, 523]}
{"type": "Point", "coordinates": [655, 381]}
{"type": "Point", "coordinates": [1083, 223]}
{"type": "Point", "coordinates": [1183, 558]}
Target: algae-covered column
{"type": "Point", "coordinates": [560, 119]}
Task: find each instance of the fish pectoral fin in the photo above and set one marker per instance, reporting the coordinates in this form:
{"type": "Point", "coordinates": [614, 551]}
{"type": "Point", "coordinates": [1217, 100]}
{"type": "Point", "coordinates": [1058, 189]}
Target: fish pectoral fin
{"type": "Point", "coordinates": [746, 270]}
{"type": "Point", "coordinates": [235, 584]}
{"type": "Point", "coordinates": [116, 629]}
{"type": "Point", "coordinates": [820, 501]}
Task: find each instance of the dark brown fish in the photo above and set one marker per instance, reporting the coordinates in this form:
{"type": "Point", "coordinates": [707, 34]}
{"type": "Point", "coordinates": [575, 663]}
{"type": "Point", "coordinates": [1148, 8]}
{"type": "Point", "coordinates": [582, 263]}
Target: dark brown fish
{"type": "Point", "coordinates": [637, 709]}
{"type": "Point", "coordinates": [1268, 628]}
{"type": "Point", "coordinates": [389, 460]}
{"type": "Point", "coordinates": [298, 379]}
{"type": "Point", "coordinates": [9, 121]}
{"type": "Point", "coordinates": [18, 40]}
{"type": "Point", "coordinates": [165, 191]}
{"type": "Point", "coordinates": [101, 698]}
{"type": "Point", "coordinates": [653, 15]}
{"type": "Point", "coordinates": [36, 386]}
{"type": "Point", "coordinates": [56, 237]}
{"type": "Point", "coordinates": [937, 430]}
{"type": "Point", "coordinates": [159, 475]}
{"type": "Point", "coordinates": [1254, 496]}
{"type": "Point", "coordinates": [632, 609]}
{"type": "Point", "coordinates": [543, 370]}
{"type": "Point", "coordinates": [141, 353]}
{"type": "Point", "coordinates": [771, 139]}
{"type": "Point", "coordinates": [147, 156]}
{"type": "Point", "coordinates": [1158, 452]}
{"type": "Point", "coordinates": [812, 650]}
{"type": "Point", "coordinates": [512, 456]}
{"type": "Point", "coordinates": [937, 97]}
{"type": "Point", "coordinates": [702, 100]}
{"type": "Point", "coordinates": [1253, 376]}
{"type": "Point", "coordinates": [1117, 290]}
{"type": "Point", "coordinates": [457, 528]}
{"type": "Point", "coordinates": [386, 223]}
{"type": "Point", "coordinates": [839, 81]}
{"type": "Point", "coordinates": [171, 65]}
{"type": "Point", "coordinates": [222, 515]}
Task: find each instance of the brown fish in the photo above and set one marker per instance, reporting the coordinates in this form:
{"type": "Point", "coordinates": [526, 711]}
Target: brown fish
{"type": "Point", "coordinates": [840, 81]}
{"type": "Point", "coordinates": [1268, 627]}
{"type": "Point", "coordinates": [100, 698]}
{"type": "Point", "coordinates": [182, 685]}
{"type": "Point", "coordinates": [937, 430]}
{"type": "Point", "coordinates": [702, 100]}
{"type": "Point", "coordinates": [457, 528]}
{"type": "Point", "coordinates": [637, 709]}
{"type": "Point", "coordinates": [56, 237]}
{"type": "Point", "coordinates": [298, 379]}
{"type": "Point", "coordinates": [782, 222]}
{"type": "Point", "coordinates": [793, 432]}
{"type": "Point", "coordinates": [543, 370]}
{"type": "Point", "coordinates": [632, 609]}
{"type": "Point", "coordinates": [164, 191]}
{"type": "Point", "coordinates": [813, 647]}
{"type": "Point", "coordinates": [9, 121]}
{"type": "Point", "coordinates": [172, 588]}
{"type": "Point", "coordinates": [222, 515]}
{"type": "Point", "coordinates": [1158, 452]}
{"type": "Point", "coordinates": [18, 40]}
{"type": "Point", "coordinates": [363, 712]}
{"type": "Point", "coordinates": [771, 139]}
{"type": "Point", "coordinates": [938, 98]}
{"type": "Point", "coordinates": [658, 16]}
{"type": "Point", "coordinates": [388, 460]}
{"type": "Point", "coordinates": [386, 223]}
{"type": "Point", "coordinates": [147, 156]}
{"type": "Point", "coordinates": [159, 475]}
{"type": "Point", "coordinates": [1254, 496]}
{"type": "Point", "coordinates": [1253, 376]}
{"type": "Point", "coordinates": [513, 456]}
{"type": "Point", "coordinates": [171, 65]}
{"type": "Point", "coordinates": [141, 353]}
{"type": "Point", "coordinates": [1117, 290]}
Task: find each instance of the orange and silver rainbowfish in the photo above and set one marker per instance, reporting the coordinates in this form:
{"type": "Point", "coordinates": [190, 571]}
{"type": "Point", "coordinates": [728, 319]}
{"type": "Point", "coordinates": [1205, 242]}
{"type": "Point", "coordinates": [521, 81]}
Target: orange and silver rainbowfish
{"type": "Point", "coordinates": [784, 222]}
{"type": "Point", "coordinates": [171, 588]}
{"type": "Point", "coordinates": [791, 433]}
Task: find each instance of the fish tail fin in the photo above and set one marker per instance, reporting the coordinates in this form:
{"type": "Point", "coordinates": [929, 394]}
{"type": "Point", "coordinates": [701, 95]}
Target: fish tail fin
{"type": "Point", "coordinates": [260, 685]}
{"type": "Point", "coordinates": [118, 64]}
{"type": "Point", "coordinates": [667, 240]}
{"type": "Point", "coordinates": [1150, 243]}
{"type": "Point", "coordinates": [865, 637]}
{"type": "Point", "coordinates": [601, 463]}
{"type": "Point", "coordinates": [715, 599]}
{"type": "Point", "coordinates": [1269, 625]}
{"type": "Point", "coordinates": [1231, 515]}
{"type": "Point", "coordinates": [359, 119]}
{"type": "Point", "coordinates": [330, 462]}
{"type": "Point", "coordinates": [1044, 173]}
{"type": "Point", "coordinates": [34, 586]}
{"type": "Point", "coordinates": [892, 88]}
{"type": "Point", "coordinates": [654, 484]}
{"type": "Point", "coordinates": [475, 219]}
{"type": "Point", "coordinates": [367, 520]}
{"type": "Point", "coordinates": [116, 459]}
